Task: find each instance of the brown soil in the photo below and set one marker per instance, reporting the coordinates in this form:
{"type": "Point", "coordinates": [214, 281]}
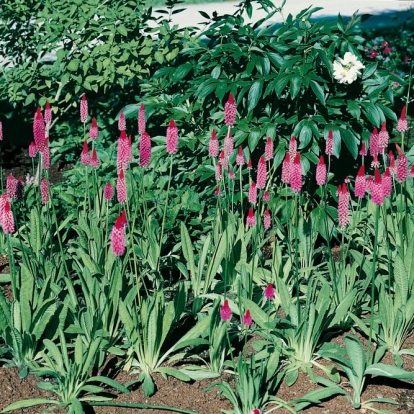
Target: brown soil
{"type": "Point", "coordinates": [190, 396]}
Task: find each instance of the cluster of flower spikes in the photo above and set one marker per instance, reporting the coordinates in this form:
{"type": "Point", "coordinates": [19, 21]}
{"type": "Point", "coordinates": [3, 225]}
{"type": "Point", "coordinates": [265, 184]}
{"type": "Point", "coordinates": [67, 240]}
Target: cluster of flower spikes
{"type": "Point", "coordinates": [379, 186]}
{"type": "Point", "coordinates": [124, 158]}
{"type": "Point", "coordinates": [223, 165]}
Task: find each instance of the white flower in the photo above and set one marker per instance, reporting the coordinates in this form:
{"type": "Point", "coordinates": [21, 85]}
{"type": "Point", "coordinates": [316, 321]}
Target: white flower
{"type": "Point", "coordinates": [346, 70]}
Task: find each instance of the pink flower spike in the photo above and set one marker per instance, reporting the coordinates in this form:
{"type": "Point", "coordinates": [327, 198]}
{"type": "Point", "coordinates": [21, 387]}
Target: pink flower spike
{"type": "Point", "coordinates": [286, 169]}
{"type": "Point", "coordinates": [373, 143]}
{"type": "Point", "coordinates": [296, 174]}
{"type": "Point", "coordinates": [391, 162]}
{"type": "Point", "coordinates": [321, 171]}
{"type": "Point", "coordinates": [172, 138]}
{"type": "Point", "coordinates": [232, 176]}
{"type": "Point", "coordinates": [46, 154]}
{"type": "Point", "coordinates": [230, 111]}
{"type": "Point", "coordinates": [108, 192]}
{"type": "Point", "coordinates": [363, 150]}
{"type": "Point", "coordinates": [1, 131]}
{"type": "Point", "coordinates": [121, 121]}
{"type": "Point", "coordinates": [343, 204]}
{"type": "Point", "coordinates": [118, 237]}
{"type": "Point", "coordinates": [83, 108]}
{"type": "Point", "coordinates": [383, 137]}
{"type": "Point", "coordinates": [252, 193]}
{"type": "Point", "coordinates": [377, 191]}
{"type": "Point", "coordinates": [247, 319]}
{"type": "Point", "coordinates": [48, 114]}
{"type": "Point", "coordinates": [225, 311]}
{"type": "Point", "coordinates": [121, 189]}
{"type": "Point", "coordinates": [269, 292]}
{"type": "Point", "coordinates": [11, 184]}
{"type": "Point", "coordinates": [124, 218]}
{"type": "Point", "coordinates": [32, 150]}
{"type": "Point", "coordinates": [213, 146]}
{"type": "Point", "coordinates": [7, 218]}
{"type": "Point", "coordinates": [44, 191]}
{"type": "Point", "coordinates": [240, 157]}
{"type": "Point", "coordinates": [267, 219]}
{"type": "Point", "coordinates": [144, 150]}
{"type": "Point", "coordinates": [141, 119]}
{"type": "Point", "coordinates": [266, 196]}
{"type": "Point", "coordinates": [228, 145]}
{"type": "Point", "coordinates": [93, 130]}
{"type": "Point", "coordinates": [85, 156]}
{"type": "Point", "coordinates": [94, 159]}
{"type": "Point", "coordinates": [39, 130]}
{"type": "Point", "coordinates": [218, 172]}
{"type": "Point", "coordinates": [251, 218]}
{"type": "Point", "coordinates": [217, 191]}
{"type": "Point", "coordinates": [375, 163]}
{"type": "Point", "coordinates": [360, 183]}
{"type": "Point", "coordinates": [329, 144]}
{"type": "Point", "coordinates": [261, 173]}
{"type": "Point", "coordinates": [269, 149]}
{"type": "Point", "coordinates": [387, 183]}
{"type": "Point", "coordinates": [249, 164]}
{"type": "Point", "coordinates": [412, 171]}
{"type": "Point", "coordinates": [402, 124]}
{"type": "Point", "coordinates": [293, 147]}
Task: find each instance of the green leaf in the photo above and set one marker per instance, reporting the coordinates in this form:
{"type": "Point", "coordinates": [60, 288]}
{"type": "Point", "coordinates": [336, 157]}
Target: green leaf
{"type": "Point", "coordinates": [318, 91]}
{"type": "Point", "coordinates": [188, 251]}
{"type": "Point", "coordinates": [295, 82]}
{"type": "Point", "coordinates": [109, 381]}
{"type": "Point", "coordinates": [28, 403]}
{"type": "Point", "coordinates": [389, 371]}
{"type": "Point", "coordinates": [255, 94]}
{"type": "Point", "coordinates": [369, 70]}
{"type": "Point", "coordinates": [122, 30]}
{"type": "Point", "coordinates": [73, 65]}
{"type": "Point", "coordinates": [353, 108]}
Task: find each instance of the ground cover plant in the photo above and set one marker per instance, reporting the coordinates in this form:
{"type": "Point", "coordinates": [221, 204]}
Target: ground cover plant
{"type": "Point", "coordinates": [226, 229]}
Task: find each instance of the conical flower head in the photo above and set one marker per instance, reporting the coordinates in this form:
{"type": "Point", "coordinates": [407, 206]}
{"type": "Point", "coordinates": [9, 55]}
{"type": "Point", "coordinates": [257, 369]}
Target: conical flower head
{"type": "Point", "coordinates": [121, 121]}
{"type": "Point", "coordinates": [144, 150]}
{"type": "Point", "coordinates": [402, 124]}
{"type": "Point", "coordinates": [383, 138]}
{"type": "Point", "coordinates": [108, 192]}
{"type": "Point", "coordinates": [252, 193]}
{"type": "Point", "coordinates": [225, 311]}
{"type": "Point", "coordinates": [172, 138]}
{"type": "Point", "coordinates": [11, 184]}
{"type": "Point", "coordinates": [402, 165]}
{"type": "Point", "coordinates": [230, 111]}
{"type": "Point", "coordinates": [1, 131]}
{"type": "Point", "coordinates": [240, 157]}
{"type": "Point", "coordinates": [141, 119]}
{"type": "Point", "coordinates": [261, 173]}
{"type": "Point", "coordinates": [232, 176]}
{"type": "Point", "coordinates": [269, 292]}
{"type": "Point", "coordinates": [343, 205]}
{"type": "Point", "coordinates": [293, 148]}
{"type": "Point", "coordinates": [391, 163]}
{"type": "Point", "coordinates": [387, 183]}
{"type": "Point", "coordinates": [363, 150]}
{"type": "Point", "coordinates": [249, 164]}
{"type": "Point", "coordinates": [373, 143]}
{"type": "Point", "coordinates": [267, 219]}
{"type": "Point", "coordinates": [44, 191]}
{"type": "Point", "coordinates": [123, 156]}
{"type": "Point", "coordinates": [228, 145]}
{"type": "Point", "coordinates": [377, 191]}
{"type": "Point", "coordinates": [321, 171]}
{"type": "Point", "coordinates": [213, 146]}
{"type": "Point", "coordinates": [360, 183]}
{"type": "Point", "coordinates": [251, 218]}
{"type": "Point", "coordinates": [286, 169]}
{"type": "Point", "coordinates": [375, 162]}
{"type": "Point", "coordinates": [83, 109]}
{"type": "Point", "coordinates": [48, 114]}
{"type": "Point", "coordinates": [124, 218]}
{"type": "Point", "coordinates": [85, 156]}
{"type": "Point", "coordinates": [94, 159]}
{"type": "Point", "coordinates": [219, 174]}
{"type": "Point", "coordinates": [46, 154]}
{"type": "Point", "coordinates": [118, 237]}
{"type": "Point", "coordinates": [247, 319]}
{"type": "Point", "coordinates": [296, 174]}
{"type": "Point", "coordinates": [266, 196]}
{"type": "Point", "coordinates": [7, 218]}
{"type": "Point", "coordinates": [269, 149]}
{"type": "Point", "coordinates": [93, 130]}
{"type": "Point", "coordinates": [121, 189]}
{"type": "Point", "coordinates": [329, 144]}
{"type": "Point", "coordinates": [39, 130]}
{"type": "Point", "coordinates": [32, 150]}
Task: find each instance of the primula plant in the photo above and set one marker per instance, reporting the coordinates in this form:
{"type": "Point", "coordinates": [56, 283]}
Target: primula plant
{"type": "Point", "coordinates": [223, 228]}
